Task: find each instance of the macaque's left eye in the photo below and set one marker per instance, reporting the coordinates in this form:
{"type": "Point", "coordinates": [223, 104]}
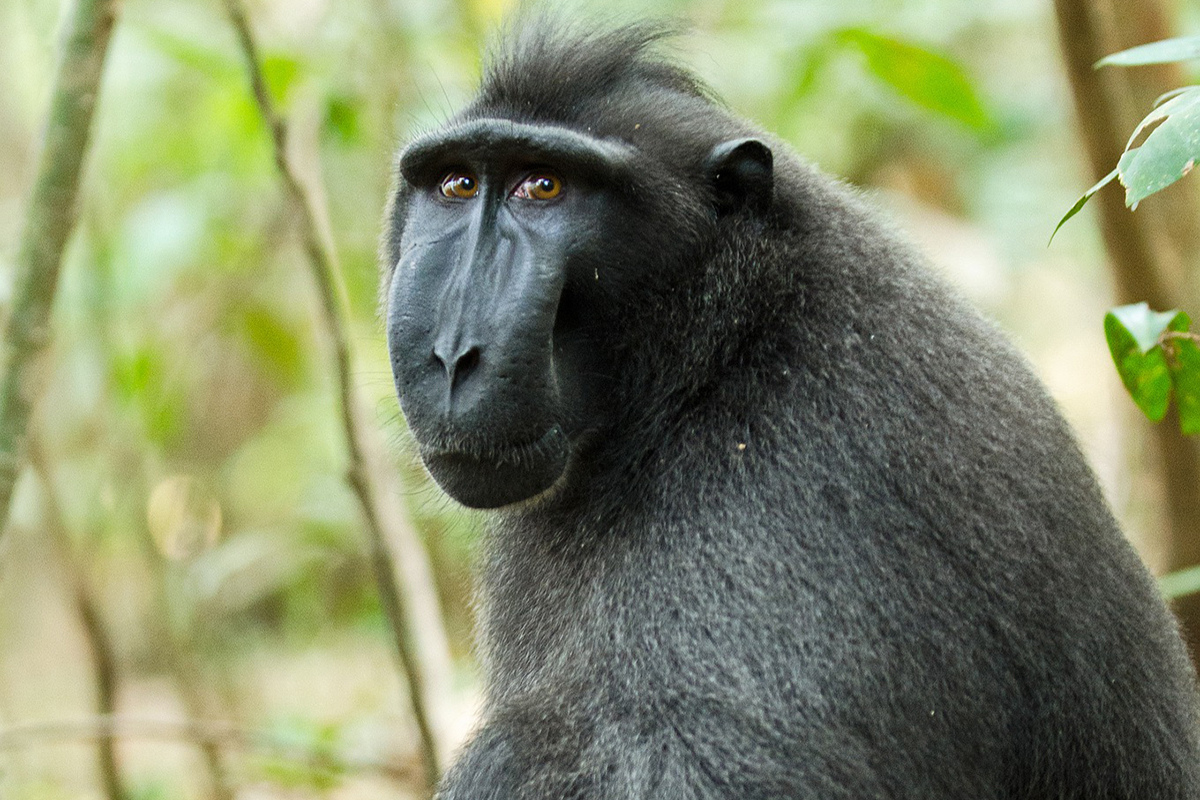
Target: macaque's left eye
{"type": "Point", "coordinates": [539, 186]}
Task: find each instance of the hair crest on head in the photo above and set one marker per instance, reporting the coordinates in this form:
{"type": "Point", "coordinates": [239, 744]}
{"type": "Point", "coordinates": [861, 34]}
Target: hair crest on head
{"type": "Point", "coordinates": [545, 67]}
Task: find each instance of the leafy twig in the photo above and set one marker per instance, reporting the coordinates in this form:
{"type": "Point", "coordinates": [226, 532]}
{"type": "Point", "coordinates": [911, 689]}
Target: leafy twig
{"type": "Point", "coordinates": [1141, 270]}
{"type": "Point", "coordinates": [48, 223]}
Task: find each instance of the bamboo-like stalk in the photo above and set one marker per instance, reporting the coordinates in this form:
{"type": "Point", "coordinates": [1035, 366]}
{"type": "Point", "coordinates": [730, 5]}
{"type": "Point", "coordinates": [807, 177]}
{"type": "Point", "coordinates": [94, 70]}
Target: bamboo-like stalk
{"type": "Point", "coordinates": [49, 219]}
{"type": "Point", "coordinates": [360, 472]}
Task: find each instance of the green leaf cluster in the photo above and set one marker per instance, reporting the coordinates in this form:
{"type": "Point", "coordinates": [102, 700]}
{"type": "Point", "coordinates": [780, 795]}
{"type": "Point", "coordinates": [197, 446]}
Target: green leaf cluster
{"type": "Point", "coordinates": [1165, 145]}
{"type": "Point", "coordinates": [1157, 357]}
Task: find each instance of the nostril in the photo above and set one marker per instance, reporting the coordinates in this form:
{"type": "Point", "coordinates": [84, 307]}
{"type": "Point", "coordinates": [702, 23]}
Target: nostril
{"type": "Point", "coordinates": [466, 362]}
{"type": "Point", "coordinates": [459, 366]}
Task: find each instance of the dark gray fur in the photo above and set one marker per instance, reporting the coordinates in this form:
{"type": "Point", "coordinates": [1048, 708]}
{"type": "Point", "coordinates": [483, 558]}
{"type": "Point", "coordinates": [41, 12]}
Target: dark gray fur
{"type": "Point", "coordinates": [828, 537]}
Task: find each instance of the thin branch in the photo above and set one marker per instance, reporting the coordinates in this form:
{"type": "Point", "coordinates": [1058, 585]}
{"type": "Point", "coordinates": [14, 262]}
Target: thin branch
{"type": "Point", "coordinates": [1167, 336]}
{"type": "Point", "coordinates": [48, 223]}
{"type": "Point", "coordinates": [213, 733]}
{"type": "Point", "coordinates": [190, 681]}
{"type": "Point", "coordinates": [104, 658]}
{"type": "Point", "coordinates": [364, 483]}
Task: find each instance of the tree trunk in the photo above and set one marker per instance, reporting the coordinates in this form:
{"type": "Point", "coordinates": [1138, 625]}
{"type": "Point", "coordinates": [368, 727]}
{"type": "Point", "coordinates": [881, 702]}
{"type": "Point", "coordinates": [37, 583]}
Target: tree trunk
{"type": "Point", "coordinates": [1144, 266]}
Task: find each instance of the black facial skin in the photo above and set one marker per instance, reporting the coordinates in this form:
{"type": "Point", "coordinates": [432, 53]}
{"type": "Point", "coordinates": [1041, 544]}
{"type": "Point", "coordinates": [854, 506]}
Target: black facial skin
{"type": "Point", "coordinates": [496, 377]}
{"type": "Point", "coordinates": [774, 513]}
{"type": "Point", "coordinates": [492, 315]}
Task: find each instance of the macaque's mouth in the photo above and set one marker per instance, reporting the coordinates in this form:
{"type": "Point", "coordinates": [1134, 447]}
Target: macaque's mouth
{"type": "Point", "coordinates": [495, 475]}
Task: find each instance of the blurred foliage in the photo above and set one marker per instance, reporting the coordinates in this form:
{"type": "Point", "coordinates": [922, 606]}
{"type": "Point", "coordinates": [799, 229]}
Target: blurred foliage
{"type": "Point", "coordinates": [190, 415]}
{"type": "Point", "coordinates": [927, 79]}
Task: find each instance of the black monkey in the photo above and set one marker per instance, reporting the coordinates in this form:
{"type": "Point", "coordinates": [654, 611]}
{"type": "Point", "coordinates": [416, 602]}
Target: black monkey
{"type": "Point", "coordinates": [776, 514]}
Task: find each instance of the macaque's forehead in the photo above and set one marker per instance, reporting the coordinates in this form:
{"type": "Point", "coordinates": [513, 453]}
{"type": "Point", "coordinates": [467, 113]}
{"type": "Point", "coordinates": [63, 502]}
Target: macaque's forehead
{"type": "Point", "coordinates": [490, 140]}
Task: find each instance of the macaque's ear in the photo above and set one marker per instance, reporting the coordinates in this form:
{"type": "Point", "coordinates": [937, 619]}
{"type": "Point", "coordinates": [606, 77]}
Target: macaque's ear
{"type": "Point", "coordinates": [742, 174]}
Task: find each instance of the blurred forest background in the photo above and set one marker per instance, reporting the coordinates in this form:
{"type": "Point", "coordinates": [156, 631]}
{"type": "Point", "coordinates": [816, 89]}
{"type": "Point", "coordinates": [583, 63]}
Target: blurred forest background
{"type": "Point", "coordinates": [189, 604]}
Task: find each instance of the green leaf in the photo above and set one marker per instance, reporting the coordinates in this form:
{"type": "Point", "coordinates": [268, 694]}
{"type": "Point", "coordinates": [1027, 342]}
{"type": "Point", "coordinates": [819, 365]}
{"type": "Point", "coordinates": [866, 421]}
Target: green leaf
{"type": "Point", "coordinates": [809, 64]}
{"type": "Point", "coordinates": [1082, 201]}
{"type": "Point", "coordinates": [342, 119]}
{"type": "Point", "coordinates": [281, 73]}
{"type": "Point", "coordinates": [1147, 326]}
{"type": "Point", "coordinates": [1185, 372]}
{"type": "Point", "coordinates": [928, 79]}
{"type": "Point", "coordinates": [1169, 152]}
{"type": "Point", "coordinates": [1165, 96]}
{"type": "Point", "coordinates": [1180, 584]}
{"type": "Point", "coordinates": [1182, 48]}
{"type": "Point", "coordinates": [1168, 104]}
{"type": "Point", "coordinates": [1132, 333]}
{"type": "Point", "coordinates": [275, 341]}
{"type": "Point", "coordinates": [144, 381]}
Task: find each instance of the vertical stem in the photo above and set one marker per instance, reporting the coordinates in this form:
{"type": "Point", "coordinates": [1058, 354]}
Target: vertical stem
{"type": "Point", "coordinates": [359, 472]}
{"type": "Point", "coordinates": [49, 220]}
{"type": "Point", "coordinates": [104, 658]}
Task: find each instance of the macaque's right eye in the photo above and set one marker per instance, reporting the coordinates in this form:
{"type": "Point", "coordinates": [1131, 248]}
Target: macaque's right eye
{"type": "Point", "coordinates": [459, 185]}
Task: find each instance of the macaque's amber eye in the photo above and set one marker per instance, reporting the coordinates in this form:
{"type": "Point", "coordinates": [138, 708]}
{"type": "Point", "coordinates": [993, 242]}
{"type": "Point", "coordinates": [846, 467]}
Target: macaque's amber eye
{"type": "Point", "coordinates": [539, 186]}
{"type": "Point", "coordinates": [460, 185]}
